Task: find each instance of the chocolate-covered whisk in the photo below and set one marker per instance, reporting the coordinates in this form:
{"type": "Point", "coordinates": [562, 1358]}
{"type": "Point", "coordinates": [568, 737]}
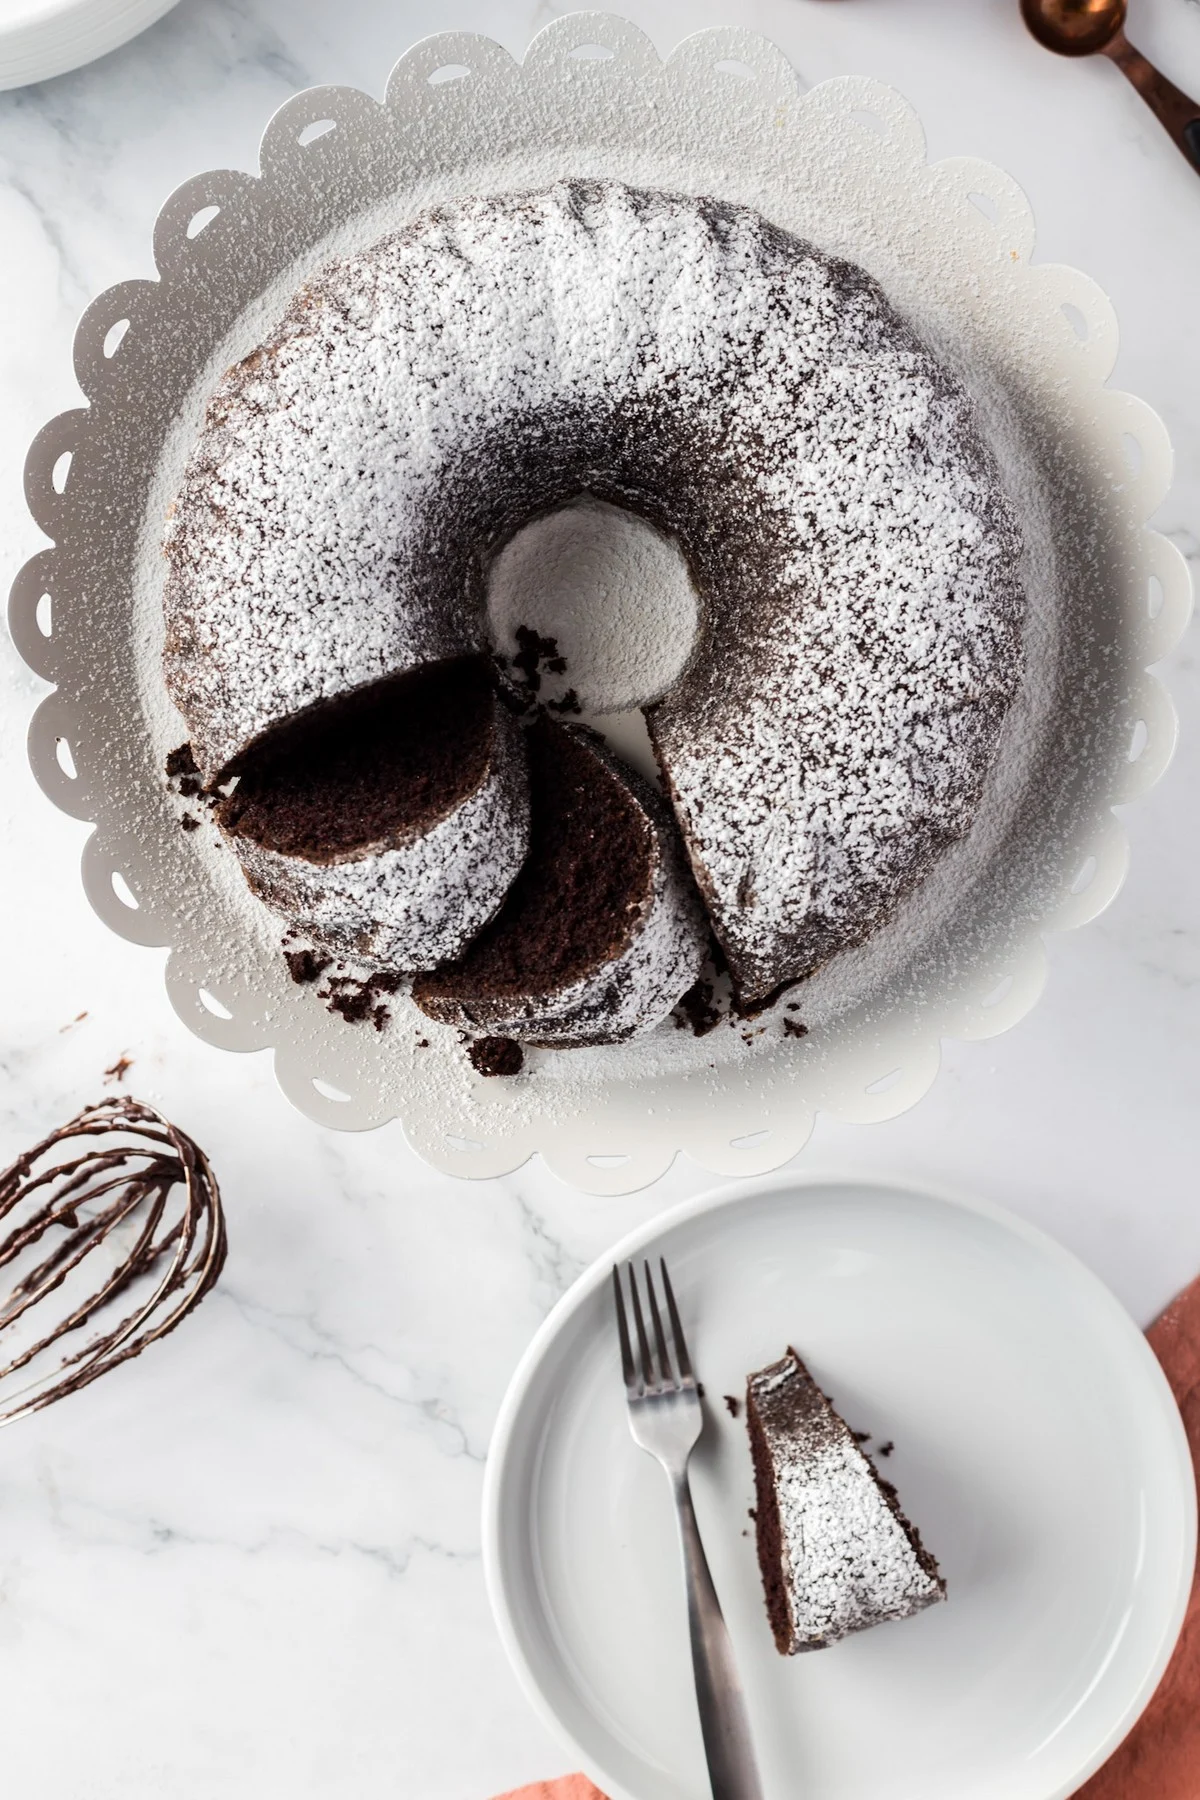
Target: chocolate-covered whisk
{"type": "Point", "coordinates": [112, 1228]}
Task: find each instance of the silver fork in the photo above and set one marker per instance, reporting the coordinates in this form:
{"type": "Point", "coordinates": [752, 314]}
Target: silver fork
{"type": "Point", "coordinates": [666, 1419]}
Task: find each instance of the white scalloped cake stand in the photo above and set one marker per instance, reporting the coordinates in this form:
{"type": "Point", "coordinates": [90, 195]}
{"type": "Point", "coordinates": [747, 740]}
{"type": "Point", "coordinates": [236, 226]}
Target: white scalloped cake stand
{"type": "Point", "coordinates": [843, 165]}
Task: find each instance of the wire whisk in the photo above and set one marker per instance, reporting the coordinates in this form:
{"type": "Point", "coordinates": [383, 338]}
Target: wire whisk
{"type": "Point", "coordinates": [111, 1232]}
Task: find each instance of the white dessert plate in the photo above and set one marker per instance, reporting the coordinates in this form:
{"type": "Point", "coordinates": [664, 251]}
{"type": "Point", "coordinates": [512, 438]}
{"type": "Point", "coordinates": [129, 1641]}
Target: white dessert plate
{"type": "Point", "coordinates": [1037, 1448]}
{"type": "Point", "coordinates": [41, 38]}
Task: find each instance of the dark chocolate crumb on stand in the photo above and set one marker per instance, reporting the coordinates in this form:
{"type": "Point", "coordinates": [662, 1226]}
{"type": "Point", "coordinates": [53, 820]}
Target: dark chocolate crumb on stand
{"type": "Point", "coordinates": [497, 1056]}
{"type": "Point", "coordinates": [359, 1001]}
{"type": "Point", "coordinates": [124, 1165]}
{"type": "Point", "coordinates": [793, 1028]}
{"type": "Point", "coordinates": [533, 653]}
{"type": "Point", "coordinates": [183, 774]}
{"type": "Point", "coordinates": [733, 1405]}
{"type": "Point", "coordinates": [305, 965]}
{"type": "Point", "coordinates": [886, 1449]}
{"type": "Point", "coordinates": [697, 1010]}
{"type": "Point", "coordinates": [119, 1069]}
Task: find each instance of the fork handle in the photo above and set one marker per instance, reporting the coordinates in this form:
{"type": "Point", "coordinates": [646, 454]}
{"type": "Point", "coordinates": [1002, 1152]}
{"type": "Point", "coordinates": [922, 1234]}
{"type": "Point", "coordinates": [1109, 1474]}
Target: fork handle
{"type": "Point", "coordinates": [732, 1769]}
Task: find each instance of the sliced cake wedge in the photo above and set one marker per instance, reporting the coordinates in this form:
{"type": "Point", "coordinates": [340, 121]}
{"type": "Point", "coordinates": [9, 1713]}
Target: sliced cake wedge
{"type": "Point", "coordinates": [835, 1550]}
{"type": "Point", "coordinates": [602, 931]}
{"type": "Point", "coordinates": [388, 824]}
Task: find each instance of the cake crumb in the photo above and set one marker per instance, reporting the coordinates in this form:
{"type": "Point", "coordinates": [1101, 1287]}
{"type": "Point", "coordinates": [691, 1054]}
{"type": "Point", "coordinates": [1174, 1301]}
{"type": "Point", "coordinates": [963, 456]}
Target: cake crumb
{"type": "Point", "coordinates": [568, 704]}
{"type": "Point", "coordinates": [359, 1001]}
{"type": "Point", "coordinates": [182, 772]}
{"type": "Point", "coordinates": [793, 1028]}
{"type": "Point", "coordinates": [72, 1023]}
{"type": "Point", "coordinates": [534, 651]}
{"type": "Point", "coordinates": [496, 1056]}
{"type": "Point", "coordinates": [733, 1405]}
{"type": "Point", "coordinates": [305, 965]}
{"type": "Point", "coordinates": [861, 1437]}
{"type": "Point", "coordinates": [189, 823]}
{"type": "Point", "coordinates": [697, 1011]}
{"type": "Point", "coordinates": [886, 1449]}
{"type": "Point", "coordinates": [119, 1069]}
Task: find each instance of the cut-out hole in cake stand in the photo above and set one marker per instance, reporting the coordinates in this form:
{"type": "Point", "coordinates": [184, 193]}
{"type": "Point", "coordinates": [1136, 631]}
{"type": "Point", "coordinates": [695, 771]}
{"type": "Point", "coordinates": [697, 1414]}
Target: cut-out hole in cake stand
{"type": "Point", "coordinates": [750, 1141]}
{"type": "Point", "coordinates": [1086, 875]}
{"type": "Point", "coordinates": [43, 617]}
{"type": "Point", "coordinates": [318, 129]}
{"type": "Point", "coordinates": [211, 1004]}
{"type": "Point", "coordinates": [739, 70]}
{"type": "Point", "coordinates": [984, 203]}
{"type": "Point", "coordinates": [884, 1083]}
{"type": "Point", "coordinates": [63, 756]}
{"type": "Point", "coordinates": [607, 1162]}
{"type": "Point", "coordinates": [327, 1091]}
{"type": "Point", "coordinates": [869, 121]}
{"type": "Point", "coordinates": [124, 892]}
{"type": "Point", "coordinates": [998, 993]}
{"type": "Point", "coordinates": [1155, 595]}
{"type": "Point", "coordinates": [1131, 450]}
{"type": "Point", "coordinates": [591, 53]}
{"type": "Point", "coordinates": [200, 221]}
{"type": "Point", "coordinates": [448, 72]}
{"type": "Point", "coordinates": [113, 337]}
{"type": "Point", "coordinates": [1077, 319]}
{"type": "Point", "coordinates": [1139, 740]}
{"type": "Point", "coordinates": [60, 472]}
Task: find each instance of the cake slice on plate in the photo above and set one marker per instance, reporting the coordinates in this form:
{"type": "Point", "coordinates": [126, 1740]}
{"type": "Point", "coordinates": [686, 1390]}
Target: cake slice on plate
{"type": "Point", "coordinates": [836, 1552]}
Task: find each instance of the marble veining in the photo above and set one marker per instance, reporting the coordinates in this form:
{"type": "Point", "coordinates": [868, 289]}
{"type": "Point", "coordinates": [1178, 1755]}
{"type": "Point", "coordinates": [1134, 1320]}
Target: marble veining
{"type": "Point", "coordinates": [251, 1560]}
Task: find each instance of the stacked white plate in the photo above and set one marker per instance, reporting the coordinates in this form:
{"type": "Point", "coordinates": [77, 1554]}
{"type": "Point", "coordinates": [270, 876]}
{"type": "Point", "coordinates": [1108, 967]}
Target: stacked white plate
{"type": "Point", "coordinates": [40, 38]}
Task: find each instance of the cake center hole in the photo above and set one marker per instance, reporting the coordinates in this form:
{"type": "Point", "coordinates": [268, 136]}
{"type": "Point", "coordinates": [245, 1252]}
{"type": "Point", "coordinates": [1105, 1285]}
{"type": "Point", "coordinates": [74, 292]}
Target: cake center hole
{"type": "Point", "coordinates": [614, 594]}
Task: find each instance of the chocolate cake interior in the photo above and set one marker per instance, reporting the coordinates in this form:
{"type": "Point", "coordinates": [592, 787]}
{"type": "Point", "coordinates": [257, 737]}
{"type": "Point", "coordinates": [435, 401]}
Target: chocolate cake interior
{"type": "Point", "coordinates": [369, 769]}
{"type": "Point", "coordinates": [768, 1532]}
{"type": "Point", "coordinates": [582, 887]}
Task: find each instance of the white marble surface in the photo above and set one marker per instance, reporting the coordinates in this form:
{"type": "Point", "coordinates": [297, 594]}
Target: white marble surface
{"type": "Point", "coordinates": [249, 1564]}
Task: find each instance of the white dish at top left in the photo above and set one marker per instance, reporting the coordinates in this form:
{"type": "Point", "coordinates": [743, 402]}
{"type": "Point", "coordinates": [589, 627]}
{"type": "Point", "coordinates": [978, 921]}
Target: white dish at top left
{"type": "Point", "coordinates": [41, 38]}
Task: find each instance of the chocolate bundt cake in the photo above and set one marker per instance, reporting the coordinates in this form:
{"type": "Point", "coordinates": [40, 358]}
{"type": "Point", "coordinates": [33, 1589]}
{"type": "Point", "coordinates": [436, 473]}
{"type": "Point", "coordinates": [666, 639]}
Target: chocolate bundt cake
{"type": "Point", "coordinates": [387, 825]}
{"type": "Point", "coordinates": [844, 525]}
{"type": "Point", "coordinates": [602, 930]}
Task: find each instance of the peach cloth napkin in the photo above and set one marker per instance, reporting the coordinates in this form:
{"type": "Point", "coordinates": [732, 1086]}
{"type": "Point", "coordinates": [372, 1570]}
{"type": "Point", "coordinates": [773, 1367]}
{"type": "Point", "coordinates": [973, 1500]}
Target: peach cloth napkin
{"type": "Point", "coordinates": [1160, 1759]}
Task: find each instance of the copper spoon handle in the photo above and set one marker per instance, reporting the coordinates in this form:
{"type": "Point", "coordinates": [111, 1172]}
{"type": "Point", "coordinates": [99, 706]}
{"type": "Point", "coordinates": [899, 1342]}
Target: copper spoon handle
{"type": "Point", "coordinates": [1180, 115]}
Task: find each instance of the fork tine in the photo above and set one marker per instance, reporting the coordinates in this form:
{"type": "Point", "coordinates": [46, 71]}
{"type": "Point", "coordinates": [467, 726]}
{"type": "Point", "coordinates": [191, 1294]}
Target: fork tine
{"type": "Point", "coordinates": [664, 1357]}
{"type": "Point", "coordinates": [627, 1368]}
{"type": "Point", "coordinates": [649, 1376]}
{"type": "Point", "coordinates": [685, 1367]}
